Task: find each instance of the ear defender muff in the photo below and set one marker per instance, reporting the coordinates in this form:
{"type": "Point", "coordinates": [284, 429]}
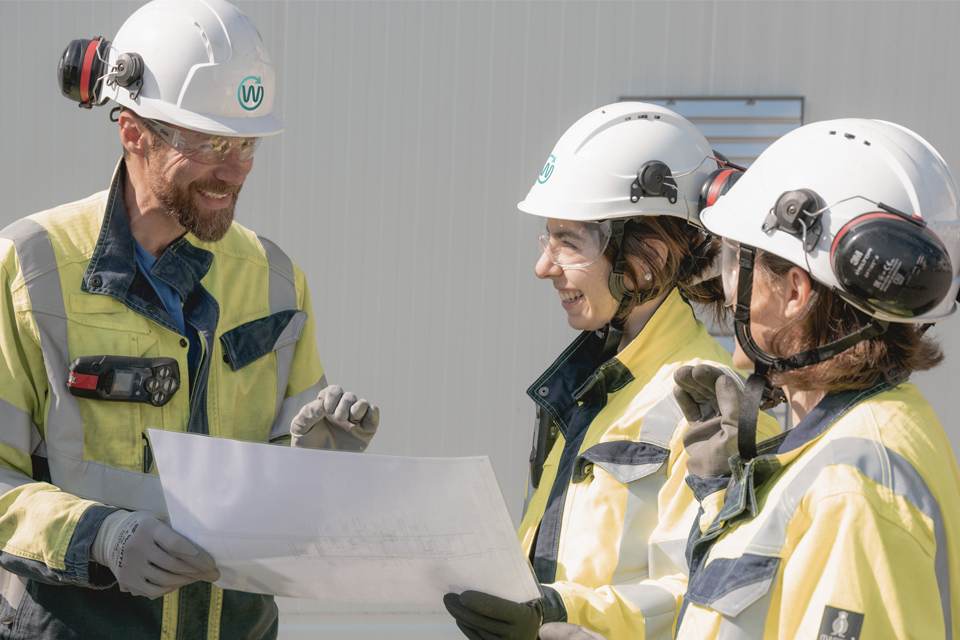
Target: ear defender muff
{"type": "Point", "coordinates": [892, 263]}
{"type": "Point", "coordinates": [82, 66]}
{"type": "Point", "coordinates": [654, 179]}
{"type": "Point", "coordinates": [719, 182]}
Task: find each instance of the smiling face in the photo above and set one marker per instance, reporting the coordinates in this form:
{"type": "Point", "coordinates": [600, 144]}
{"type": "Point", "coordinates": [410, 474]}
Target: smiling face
{"type": "Point", "coordinates": [199, 197]}
{"type": "Point", "coordinates": [584, 291]}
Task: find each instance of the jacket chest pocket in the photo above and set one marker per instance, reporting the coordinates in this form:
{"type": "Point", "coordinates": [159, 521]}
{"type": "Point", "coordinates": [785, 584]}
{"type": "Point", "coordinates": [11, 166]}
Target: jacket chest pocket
{"type": "Point", "coordinates": [112, 430]}
{"type": "Point", "coordinates": [633, 475]}
{"type": "Point", "coordinates": [257, 357]}
{"type": "Point", "coordinates": [738, 588]}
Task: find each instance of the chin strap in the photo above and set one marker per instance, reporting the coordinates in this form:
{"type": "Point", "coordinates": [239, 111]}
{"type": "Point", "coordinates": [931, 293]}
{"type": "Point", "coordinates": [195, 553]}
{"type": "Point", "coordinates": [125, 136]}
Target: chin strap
{"type": "Point", "coordinates": [759, 393]}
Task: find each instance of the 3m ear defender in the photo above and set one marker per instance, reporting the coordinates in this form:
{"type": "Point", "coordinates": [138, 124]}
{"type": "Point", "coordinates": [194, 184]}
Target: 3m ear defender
{"type": "Point", "coordinates": [720, 181]}
{"type": "Point", "coordinates": [885, 260]}
{"type": "Point", "coordinates": [892, 263]}
{"type": "Point", "coordinates": [83, 66]}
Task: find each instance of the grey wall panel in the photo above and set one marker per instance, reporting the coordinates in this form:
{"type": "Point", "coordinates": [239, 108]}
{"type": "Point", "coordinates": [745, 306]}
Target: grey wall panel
{"type": "Point", "coordinates": [414, 128]}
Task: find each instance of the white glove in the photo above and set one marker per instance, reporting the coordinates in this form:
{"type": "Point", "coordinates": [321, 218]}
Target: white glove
{"type": "Point", "coordinates": [566, 631]}
{"type": "Point", "coordinates": [147, 557]}
{"type": "Point", "coordinates": [335, 420]}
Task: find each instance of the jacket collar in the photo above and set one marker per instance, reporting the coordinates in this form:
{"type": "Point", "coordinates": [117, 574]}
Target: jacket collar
{"type": "Point", "coordinates": [589, 367]}
{"type": "Point", "coordinates": [113, 264]}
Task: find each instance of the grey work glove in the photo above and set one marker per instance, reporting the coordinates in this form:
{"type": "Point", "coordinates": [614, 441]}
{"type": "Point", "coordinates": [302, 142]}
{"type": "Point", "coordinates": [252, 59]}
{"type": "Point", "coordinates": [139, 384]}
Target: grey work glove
{"type": "Point", "coordinates": [147, 557]}
{"type": "Point", "coordinates": [335, 420]}
{"type": "Point", "coordinates": [710, 400]}
{"type": "Point", "coordinates": [481, 616]}
{"type": "Point", "coordinates": [567, 631]}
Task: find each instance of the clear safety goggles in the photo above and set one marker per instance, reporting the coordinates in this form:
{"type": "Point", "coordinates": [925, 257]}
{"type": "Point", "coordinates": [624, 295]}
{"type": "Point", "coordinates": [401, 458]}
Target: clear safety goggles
{"type": "Point", "coordinates": [570, 244]}
{"type": "Point", "coordinates": [729, 270]}
{"type": "Point", "coordinates": [203, 147]}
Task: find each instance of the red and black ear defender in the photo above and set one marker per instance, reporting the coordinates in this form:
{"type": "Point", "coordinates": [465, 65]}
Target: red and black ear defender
{"type": "Point", "coordinates": [890, 262]}
{"type": "Point", "coordinates": [720, 181]}
{"type": "Point", "coordinates": [83, 67]}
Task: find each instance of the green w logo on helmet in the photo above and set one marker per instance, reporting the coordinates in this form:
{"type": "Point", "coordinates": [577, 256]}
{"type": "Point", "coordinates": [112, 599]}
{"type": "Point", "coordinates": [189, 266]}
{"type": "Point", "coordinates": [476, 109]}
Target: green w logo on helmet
{"type": "Point", "coordinates": [250, 93]}
{"type": "Point", "coordinates": [547, 169]}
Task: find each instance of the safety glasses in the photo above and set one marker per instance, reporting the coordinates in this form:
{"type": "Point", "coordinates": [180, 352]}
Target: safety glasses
{"type": "Point", "coordinates": [729, 270]}
{"type": "Point", "coordinates": [203, 147]}
{"type": "Point", "coordinates": [570, 244]}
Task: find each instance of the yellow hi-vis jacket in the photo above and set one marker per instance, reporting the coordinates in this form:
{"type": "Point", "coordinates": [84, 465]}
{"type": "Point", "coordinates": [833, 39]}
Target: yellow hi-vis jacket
{"type": "Point", "coordinates": [846, 527]}
{"type": "Point", "coordinates": [71, 288]}
{"type": "Point", "coordinates": [608, 524]}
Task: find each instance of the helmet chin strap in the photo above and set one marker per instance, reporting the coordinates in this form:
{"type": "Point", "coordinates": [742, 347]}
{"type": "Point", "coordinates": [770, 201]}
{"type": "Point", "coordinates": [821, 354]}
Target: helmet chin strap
{"type": "Point", "coordinates": [617, 280]}
{"type": "Point", "coordinates": [759, 391]}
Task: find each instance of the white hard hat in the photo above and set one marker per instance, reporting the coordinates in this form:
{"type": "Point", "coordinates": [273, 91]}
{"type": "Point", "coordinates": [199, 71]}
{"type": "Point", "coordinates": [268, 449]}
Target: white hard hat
{"type": "Point", "coordinates": [624, 160]}
{"type": "Point", "coordinates": [867, 207]}
{"type": "Point", "coordinates": [205, 68]}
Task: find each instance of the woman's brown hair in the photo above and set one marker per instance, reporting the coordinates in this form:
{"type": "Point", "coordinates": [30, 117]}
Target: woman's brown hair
{"type": "Point", "coordinates": [690, 255]}
{"type": "Point", "coordinates": [902, 349]}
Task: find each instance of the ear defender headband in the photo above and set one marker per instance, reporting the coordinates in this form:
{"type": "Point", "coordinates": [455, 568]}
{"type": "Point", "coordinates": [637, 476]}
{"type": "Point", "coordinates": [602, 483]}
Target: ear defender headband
{"type": "Point", "coordinates": [83, 66]}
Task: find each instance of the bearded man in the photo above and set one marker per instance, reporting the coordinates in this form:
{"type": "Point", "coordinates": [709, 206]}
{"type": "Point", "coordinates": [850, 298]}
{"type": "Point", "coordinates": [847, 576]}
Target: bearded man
{"type": "Point", "coordinates": [146, 306]}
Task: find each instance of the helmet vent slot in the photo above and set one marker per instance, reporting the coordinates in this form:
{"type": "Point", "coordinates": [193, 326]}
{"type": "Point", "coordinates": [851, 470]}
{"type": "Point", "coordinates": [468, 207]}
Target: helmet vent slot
{"type": "Point", "coordinates": [206, 41]}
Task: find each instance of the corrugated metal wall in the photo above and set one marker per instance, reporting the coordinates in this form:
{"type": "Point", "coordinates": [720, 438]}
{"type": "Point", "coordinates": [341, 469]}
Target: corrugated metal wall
{"type": "Point", "coordinates": [414, 128]}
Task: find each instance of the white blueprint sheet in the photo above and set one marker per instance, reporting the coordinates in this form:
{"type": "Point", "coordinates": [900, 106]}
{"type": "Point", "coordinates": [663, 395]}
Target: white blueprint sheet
{"type": "Point", "coordinates": [393, 532]}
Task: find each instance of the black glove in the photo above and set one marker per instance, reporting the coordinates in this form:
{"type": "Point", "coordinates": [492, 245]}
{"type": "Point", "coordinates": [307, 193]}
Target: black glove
{"type": "Point", "coordinates": [710, 400]}
{"type": "Point", "coordinates": [481, 616]}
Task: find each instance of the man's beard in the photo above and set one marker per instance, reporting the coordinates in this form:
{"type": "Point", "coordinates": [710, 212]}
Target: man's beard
{"type": "Point", "coordinates": [178, 205]}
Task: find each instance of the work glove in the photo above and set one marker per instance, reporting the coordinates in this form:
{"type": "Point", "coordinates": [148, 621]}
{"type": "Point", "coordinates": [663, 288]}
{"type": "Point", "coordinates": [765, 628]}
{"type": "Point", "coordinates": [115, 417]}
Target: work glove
{"type": "Point", "coordinates": [147, 557]}
{"type": "Point", "coordinates": [710, 401]}
{"type": "Point", "coordinates": [335, 420]}
{"type": "Point", "coordinates": [481, 616]}
{"type": "Point", "coordinates": [566, 631]}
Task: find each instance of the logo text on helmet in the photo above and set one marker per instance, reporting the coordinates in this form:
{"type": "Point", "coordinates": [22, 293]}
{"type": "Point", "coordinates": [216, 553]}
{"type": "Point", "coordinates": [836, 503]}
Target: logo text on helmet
{"type": "Point", "coordinates": [250, 93]}
{"type": "Point", "coordinates": [547, 169]}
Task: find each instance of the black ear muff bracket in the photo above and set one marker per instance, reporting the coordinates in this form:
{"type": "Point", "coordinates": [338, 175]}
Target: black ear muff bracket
{"type": "Point", "coordinates": [797, 213]}
{"type": "Point", "coordinates": [654, 180]}
{"type": "Point", "coordinates": [128, 73]}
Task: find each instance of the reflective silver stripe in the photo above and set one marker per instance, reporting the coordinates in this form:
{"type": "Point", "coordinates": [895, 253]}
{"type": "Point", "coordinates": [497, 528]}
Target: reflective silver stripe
{"type": "Point", "coordinates": [10, 479]}
{"type": "Point", "coordinates": [285, 355]}
{"type": "Point", "coordinates": [750, 624]}
{"type": "Point", "coordinates": [659, 607]}
{"type": "Point", "coordinates": [64, 428]}
{"type": "Point", "coordinates": [283, 289]}
{"type": "Point", "coordinates": [883, 466]}
{"type": "Point", "coordinates": [291, 407]}
{"type": "Point", "coordinates": [668, 556]}
{"type": "Point", "coordinates": [283, 296]}
{"type": "Point", "coordinates": [38, 262]}
{"type": "Point", "coordinates": [660, 422]}
{"type": "Point", "coordinates": [18, 430]}
{"type": "Point", "coordinates": [103, 483]}
{"type": "Point", "coordinates": [640, 517]}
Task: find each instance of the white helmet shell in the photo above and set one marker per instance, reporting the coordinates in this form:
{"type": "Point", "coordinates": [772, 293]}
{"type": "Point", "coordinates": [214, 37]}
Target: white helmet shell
{"type": "Point", "coordinates": [205, 68]}
{"type": "Point", "coordinates": [589, 174]}
{"type": "Point", "coordinates": [852, 165]}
